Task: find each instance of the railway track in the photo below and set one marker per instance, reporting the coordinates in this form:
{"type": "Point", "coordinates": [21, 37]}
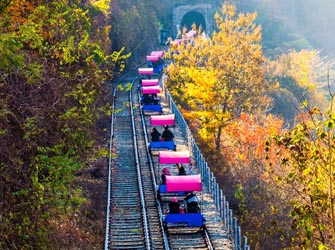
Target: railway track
{"type": "Point", "coordinates": [157, 239]}
{"type": "Point", "coordinates": [178, 238]}
{"type": "Point", "coordinates": [127, 228]}
{"type": "Point", "coordinates": [183, 238]}
{"type": "Point", "coordinates": [133, 220]}
{"type": "Point", "coordinates": [134, 216]}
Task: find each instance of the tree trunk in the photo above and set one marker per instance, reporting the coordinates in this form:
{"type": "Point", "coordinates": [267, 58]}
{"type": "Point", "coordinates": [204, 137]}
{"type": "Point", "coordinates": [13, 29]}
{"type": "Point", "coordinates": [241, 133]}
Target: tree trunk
{"type": "Point", "coordinates": [218, 138]}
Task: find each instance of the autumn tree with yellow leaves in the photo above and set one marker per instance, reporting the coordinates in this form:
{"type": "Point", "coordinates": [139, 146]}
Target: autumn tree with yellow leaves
{"type": "Point", "coordinates": [222, 76]}
{"type": "Point", "coordinates": [219, 84]}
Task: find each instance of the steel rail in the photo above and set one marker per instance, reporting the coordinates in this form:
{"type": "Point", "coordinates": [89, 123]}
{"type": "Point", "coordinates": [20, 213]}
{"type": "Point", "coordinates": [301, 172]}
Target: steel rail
{"type": "Point", "coordinates": [200, 239]}
{"type": "Point", "coordinates": [153, 175]}
{"type": "Point", "coordinates": [107, 243]}
{"type": "Point", "coordinates": [110, 164]}
{"type": "Point", "coordinates": [139, 176]}
{"type": "Point", "coordinates": [126, 230]}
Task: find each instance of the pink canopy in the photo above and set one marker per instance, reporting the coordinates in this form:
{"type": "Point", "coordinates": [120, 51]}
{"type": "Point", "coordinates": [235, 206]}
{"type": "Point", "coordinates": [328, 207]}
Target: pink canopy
{"type": "Point", "coordinates": [145, 71]}
{"type": "Point", "coordinates": [149, 82]}
{"type": "Point", "coordinates": [191, 33]}
{"type": "Point", "coordinates": [161, 120]}
{"type": "Point", "coordinates": [158, 53]}
{"type": "Point", "coordinates": [177, 41]}
{"type": "Point", "coordinates": [181, 183]}
{"type": "Point", "coordinates": [151, 90]}
{"type": "Point", "coordinates": [174, 157]}
{"type": "Point", "coordinates": [153, 58]}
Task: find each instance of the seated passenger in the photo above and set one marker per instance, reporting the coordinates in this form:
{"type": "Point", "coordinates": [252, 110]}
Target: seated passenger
{"type": "Point", "coordinates": [191, 203]}
{"type": "Point", "coordinates": [155, 135]}
{"type": "Point", "coordinates": [181, 169]}
{"type": "Point", "coordinates": [167, 135]}
{"type": "Point", "coordinates": [155, 99]}
{"type": "Point", "coordinates": [146, 100]}
{"type": "Point", "coordinates": [165, 171]}
{"type": "Point", "coordinates": [154, 64]}
{"type": "Point", "coordinates": [174, 206]}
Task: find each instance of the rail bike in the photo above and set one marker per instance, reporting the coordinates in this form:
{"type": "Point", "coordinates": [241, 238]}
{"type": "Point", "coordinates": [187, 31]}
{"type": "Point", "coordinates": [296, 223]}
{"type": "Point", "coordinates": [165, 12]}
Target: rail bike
{"type": "Point", "coordinates": [179, 187]}
{"type": "Point", "coordinates": [162, 120]}
{"type": "Point", "coordinates": [146, 72]}
{"type": "Point", "coordinates": [156, 61]}
{"type": "Point", "coordinates": [150, 101]}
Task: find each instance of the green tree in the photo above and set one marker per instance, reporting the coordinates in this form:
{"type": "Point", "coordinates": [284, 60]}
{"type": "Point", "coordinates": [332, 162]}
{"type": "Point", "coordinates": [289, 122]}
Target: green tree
{"type": "Point", "coordinates": [306, 175]}
{"type": "Point", "coordinates": [53, 87]}
{"type": "Point", "coordinates": [135, 27]}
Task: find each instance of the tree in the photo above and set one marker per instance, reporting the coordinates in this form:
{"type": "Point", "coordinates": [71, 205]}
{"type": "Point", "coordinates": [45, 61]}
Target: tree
{"type": "Point", "coordinates": [297, 76]}
{"type": "Point", "coordinates": [307, 173]}
{"type": "Point", "coordinates": [226, 69]}
{"type": "Point", "coordinates": [52, 90]}
{"type": "Point", "coordinates": [135, 27]}
{"type": "Point", "coordinates": [261, 209]}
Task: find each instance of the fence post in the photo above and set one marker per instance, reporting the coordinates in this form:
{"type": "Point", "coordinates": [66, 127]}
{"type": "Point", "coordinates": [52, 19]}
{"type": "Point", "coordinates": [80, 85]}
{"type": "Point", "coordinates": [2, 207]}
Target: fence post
{"type": "Point", "coordinates": [235, 233]}
{"type": "Point", "coordinates": [221, 204]}
{"type": "Point", "coordinates": [213, 187]}
{"type": "Point", "coordinates": [224, 211]}
{"type": "Point", "coordinates": [229, 218]}
{"type": "Point", "coordinates": [208, 175]}
{"type": "Point", "coordinates": [245, 243]}
{"type": "Point", "coordinates": [239, 236]}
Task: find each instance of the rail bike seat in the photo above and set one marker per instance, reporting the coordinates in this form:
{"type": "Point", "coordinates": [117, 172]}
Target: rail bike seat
{"type": "Point", "coordinates": [155, 108]}
{"type": "Point", "coordinates": [184, 220]}
{"type": "Point", "coordinates": [162, 190]}
{"type": "Point", "coordinates": [159, 68]}
{"type": "Point", "coordinates": [161, 145]}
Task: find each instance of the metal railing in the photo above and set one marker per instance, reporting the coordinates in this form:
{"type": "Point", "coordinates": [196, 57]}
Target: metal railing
{"type": "Point", "coordinates": [221, 204]}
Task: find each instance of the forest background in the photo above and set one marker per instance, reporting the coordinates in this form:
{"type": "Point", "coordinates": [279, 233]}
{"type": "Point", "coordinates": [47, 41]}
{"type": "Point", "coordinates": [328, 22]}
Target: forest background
{"type": "Point", "coordinates": [269, 137]}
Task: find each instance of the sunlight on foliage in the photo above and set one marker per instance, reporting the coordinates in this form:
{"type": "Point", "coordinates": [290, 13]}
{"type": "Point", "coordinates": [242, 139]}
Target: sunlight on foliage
{"type": "Point", "coordinates": [102, 5]}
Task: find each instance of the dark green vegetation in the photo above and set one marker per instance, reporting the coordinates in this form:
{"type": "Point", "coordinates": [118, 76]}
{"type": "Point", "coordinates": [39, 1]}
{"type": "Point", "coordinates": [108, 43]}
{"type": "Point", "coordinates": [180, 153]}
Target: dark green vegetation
{"type": "Point", "coordinates": [135, 26]}
{"type": "Point", "coordinates": [55, 67]}
{"type": "Point", "coordinates": [58, 59]}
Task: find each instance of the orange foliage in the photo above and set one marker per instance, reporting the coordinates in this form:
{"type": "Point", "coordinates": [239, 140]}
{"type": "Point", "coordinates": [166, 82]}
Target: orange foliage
{"type": "Point", "coordinates": [244, 143]}
{"type": "Point", "coordinates": [19, 11]}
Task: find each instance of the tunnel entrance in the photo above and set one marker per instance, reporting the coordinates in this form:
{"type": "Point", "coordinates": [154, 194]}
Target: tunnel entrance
{"type": "Point", "coordinates": [193, 17]}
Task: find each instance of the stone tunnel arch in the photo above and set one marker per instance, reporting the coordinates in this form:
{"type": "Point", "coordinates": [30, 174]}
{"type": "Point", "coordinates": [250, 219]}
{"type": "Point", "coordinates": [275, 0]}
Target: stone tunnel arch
{"type": "Point", "coordinates": [193, 17]}
{"type": "Point", "coordinates": [187, 14]}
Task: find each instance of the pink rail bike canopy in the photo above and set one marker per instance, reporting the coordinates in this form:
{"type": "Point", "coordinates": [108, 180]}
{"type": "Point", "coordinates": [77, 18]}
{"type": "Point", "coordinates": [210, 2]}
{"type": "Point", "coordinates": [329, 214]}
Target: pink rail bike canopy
{"type": "Point", "coordinates": [177, 41]}
{"type": "Point", "coordinates": [149, 82]}
{"type": "Point", "coordinates": [145, 71]}
{"type": "Point", "coordinates": [183, 183]}
{"type": "Point", "coordinates": [191, 34]}
{"type": "Point", "coordinates": [172, 157]}
{"type": "Point", "coordinates": [151, 90]}
{"type": "Point", "coordinates": [161, 120]}
{"type": "Point", "coordinates": [153, 58]}
{"type": "Point", "coordinates": [158, 53]}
